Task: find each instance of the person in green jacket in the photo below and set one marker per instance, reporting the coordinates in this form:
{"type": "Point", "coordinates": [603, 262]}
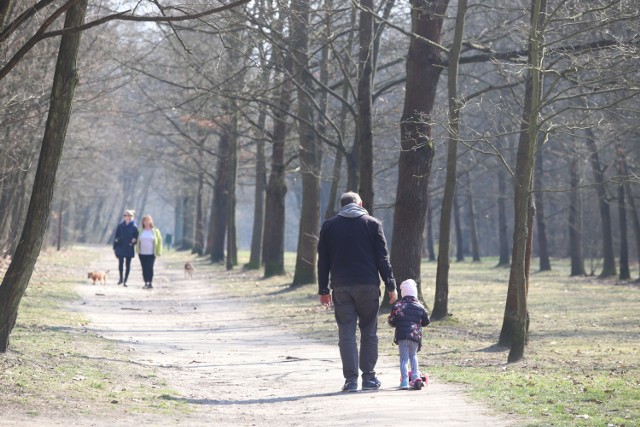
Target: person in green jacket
{"type": "Point", "coordinates": [149, 246]}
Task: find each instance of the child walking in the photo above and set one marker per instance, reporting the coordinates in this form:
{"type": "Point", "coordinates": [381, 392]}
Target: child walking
{"type": "Point", "coordinates": [408, 316]}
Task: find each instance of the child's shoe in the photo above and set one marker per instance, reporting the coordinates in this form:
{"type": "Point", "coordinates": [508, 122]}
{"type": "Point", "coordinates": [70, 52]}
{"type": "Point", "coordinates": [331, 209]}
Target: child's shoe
{"type": "Point", "coordinates": [404, 384]}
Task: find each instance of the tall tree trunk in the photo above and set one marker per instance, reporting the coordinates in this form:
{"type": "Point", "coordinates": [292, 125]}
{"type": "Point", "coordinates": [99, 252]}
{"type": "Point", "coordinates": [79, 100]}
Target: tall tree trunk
{"type": "Point", "coordinates": [310, 155]}
{"type": "Point", "coordinates": [220, 200]}
{"type": "Point", "coordinates": [515, 323]}
{"type": "Point", "coordinates": [473, 230]}
{"type": "Point", "coordinates": [625, 274]}
{"type": "Point", "coordinates": [198, 244]}
{"type": "Point", "coordinates": [255, 258]}
{"type": "Point", "coordinates": [504, 260]}
{"type": "Point", "coordinates": [273, 246]}
{"type": "Point", "coordinates": [60, 224]}
{"type": "Point", "coordinates": [364, 125]}
{"type": "Point", "coordinates": [575, 220]}
{"type": "Point", "coordinates": [634, 218]}
{"type": "Point", "coordinates": [17, 277]}
{"type": "Point", "coordinates": [543, 251]}
{"type": "Point", "coordinates": [178, 216]}
{"type": "Point", "coordinates": [431, 253]}
{"type": "Point", "coordinates": [458, 230]}
{"type": "Point", "coordinates": [232, 164]}
{"type": "Point", "coordinates": [417, 146]}
{"type": "Point", "coordinates": [440, 306]}
{"type": "Point", "coordinates": [609, 263]}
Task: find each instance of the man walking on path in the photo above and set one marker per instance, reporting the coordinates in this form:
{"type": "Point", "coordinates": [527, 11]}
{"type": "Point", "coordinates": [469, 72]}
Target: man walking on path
{"type": "Point", "coordinates": [352, 252]}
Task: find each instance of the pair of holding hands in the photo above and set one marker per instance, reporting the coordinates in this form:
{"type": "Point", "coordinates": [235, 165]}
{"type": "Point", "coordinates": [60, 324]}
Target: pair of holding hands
{"type": "Point", "coordinates": [326, 301]}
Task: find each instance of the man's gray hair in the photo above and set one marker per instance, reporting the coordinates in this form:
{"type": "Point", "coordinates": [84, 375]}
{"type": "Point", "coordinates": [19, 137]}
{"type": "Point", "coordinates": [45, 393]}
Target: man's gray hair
{"type": "Point", "coordinates": [350, 197]}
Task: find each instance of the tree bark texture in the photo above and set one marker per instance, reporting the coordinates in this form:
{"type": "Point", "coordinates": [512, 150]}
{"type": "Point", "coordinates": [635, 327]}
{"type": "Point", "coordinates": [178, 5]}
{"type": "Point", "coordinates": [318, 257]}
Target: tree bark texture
{"type": "Point", "coordinates": [543, 251]}
{"type": "Point", "coordinates": [417, 146]}
{"type": "Point", "coordinates": [609, 263]}
{"type": "Point", "coordinates": [255, 258]}
{"type": "Point", "coordinates": [65, 79]}
{"type": "Point", "coordinates": [231, 259]}
{"type": "Point", "coordinates": [458, 230]}
{"type": "Point", "coordinates": [273, 240]}
{"type": "Point", "coordinates": [634, 218]}
{"type": "Point", "coordinates": [575, 220]}
{"type": "Point", "coordinates": [218, 222]}
{"type": "Point", "coordinates": [625, 274]}
{"type": "Point", "coordinates": [198, 244]}
{"type": "Point", "coordinates": [515, 323]}
{"type": "Point", "coordinates": [310, 155]}
{"type": "Point", "coordinates": [364, 132]}
{"type": "Point", "coordinates": [441, 302]}
{"type": "Point", "coordinates": [473, 229]}
{"type": "Point", "coordinates": [503, 240]}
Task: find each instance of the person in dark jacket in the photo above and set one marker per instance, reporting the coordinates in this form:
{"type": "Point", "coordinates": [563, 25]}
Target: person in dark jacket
{"type": "Point", "coordinates": [124, 242]}
{"type": "Point", "coordinates": [352, 256]}
{"type": "Point", "coordinates": [408, 316]}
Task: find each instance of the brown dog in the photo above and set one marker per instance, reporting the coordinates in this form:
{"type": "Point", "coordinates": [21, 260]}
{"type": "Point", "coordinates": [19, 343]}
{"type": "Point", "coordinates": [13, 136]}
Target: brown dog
{"type": "Point", "coordinates": [188, 270]}
{"type": "Point", "coordinates": [98, 276]}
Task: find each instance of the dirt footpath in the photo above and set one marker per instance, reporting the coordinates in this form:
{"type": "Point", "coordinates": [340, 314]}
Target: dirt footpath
{"type": "Point", "coordinates": [235, 370]}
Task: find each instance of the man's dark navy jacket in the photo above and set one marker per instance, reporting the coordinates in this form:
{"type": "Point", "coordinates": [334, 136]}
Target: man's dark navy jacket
{"type": "Point", "coordinates": [352, 250]}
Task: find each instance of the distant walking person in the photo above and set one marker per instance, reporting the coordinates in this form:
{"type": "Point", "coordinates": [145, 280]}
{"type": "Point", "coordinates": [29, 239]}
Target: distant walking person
{"type": "Point", "coordinates": [149, 247]}
{"type": "Point", "coordinates": [408, 316]}
{"type": "Point", "coordinates": [352, 256]}
{"type": "Point", "coordinates": [123, 245]}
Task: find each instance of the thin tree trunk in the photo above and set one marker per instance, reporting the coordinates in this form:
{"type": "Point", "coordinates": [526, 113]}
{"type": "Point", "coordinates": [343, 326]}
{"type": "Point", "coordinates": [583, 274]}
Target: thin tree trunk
{"type": "Point", "coordinates": [504, 260]}
{"type": "Point", "coordinates": [609, 264]}
{"type": "Point", "coordinates": [255, 258]}
{"type": "Point", "coordinates": [198, 244]}
{"type": "Point", "coordinates": [458, 230]}
{"type": "Point", "coordinates": [625, 274]}
{"type": "Point", "coordinates": [416, 156]}
{"type": "Point", "coordinates": [475, 247]}
{"type": "Point", "coordinates": [575, 220]}
{"type": "Point", "coordinates": [232, 165]}
{"type": "Point", "coordinates": [543, 251]}
{"type": "Point", "coordinates": [310, 155]}
{"type": "Point", "coordinates": [220, 200]}
{"type": "Point", "coordinates": [431, 253]}
{"type": "Point", "coordinates": [17, 277]}
{"type": "Point", "coordinates": [634, 218]}
{"type": "Point", "coordinates": [440, 306]}
{"type": "Point", "coordinates": [60, 224]}
{"type": "Point", "coordinates": [516, 318]}
{"type": "Point", "coordinates": [273, 246]}
{"type": "Point", "coordinates": [364, 125]}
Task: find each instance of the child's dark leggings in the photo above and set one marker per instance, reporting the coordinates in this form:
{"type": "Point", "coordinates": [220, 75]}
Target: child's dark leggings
{"type": "Point", "coordinates": [121, 261]}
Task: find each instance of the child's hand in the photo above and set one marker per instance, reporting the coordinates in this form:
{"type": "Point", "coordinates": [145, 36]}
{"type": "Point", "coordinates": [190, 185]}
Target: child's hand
{"type": "Point", "coordinates": [393, 297]}
{"type": "Point", "coordinates": [325, 300]}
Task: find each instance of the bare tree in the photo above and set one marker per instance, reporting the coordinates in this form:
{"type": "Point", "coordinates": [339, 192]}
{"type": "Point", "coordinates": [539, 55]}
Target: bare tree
{"type": "Point", "coordinates": [65, 80]}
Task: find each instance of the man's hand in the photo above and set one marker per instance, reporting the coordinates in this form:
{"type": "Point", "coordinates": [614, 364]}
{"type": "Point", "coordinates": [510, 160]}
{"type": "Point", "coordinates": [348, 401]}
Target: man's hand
{"type": "Point", "coordinates": [325, 300]}
{"type": "Point", "coordinates": [393, 297]}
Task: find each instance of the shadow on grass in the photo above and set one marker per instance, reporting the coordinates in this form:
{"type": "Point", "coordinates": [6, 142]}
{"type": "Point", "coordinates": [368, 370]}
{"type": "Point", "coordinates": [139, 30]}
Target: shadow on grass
{"type": "Point", "coordinates": [495, 348]}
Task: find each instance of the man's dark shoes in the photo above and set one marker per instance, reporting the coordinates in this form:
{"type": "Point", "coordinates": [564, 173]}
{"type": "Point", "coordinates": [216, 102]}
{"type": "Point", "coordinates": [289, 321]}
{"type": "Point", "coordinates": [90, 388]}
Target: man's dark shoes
{"type": "Point", "coordinates": [350, 386]}
{"type": "Point", "coordinates": [372, 384]}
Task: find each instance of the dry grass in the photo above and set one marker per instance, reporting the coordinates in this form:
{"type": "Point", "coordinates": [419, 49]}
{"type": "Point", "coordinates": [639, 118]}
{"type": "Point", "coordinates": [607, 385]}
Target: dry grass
{"type": "Point", "coordinates": [580, 366]}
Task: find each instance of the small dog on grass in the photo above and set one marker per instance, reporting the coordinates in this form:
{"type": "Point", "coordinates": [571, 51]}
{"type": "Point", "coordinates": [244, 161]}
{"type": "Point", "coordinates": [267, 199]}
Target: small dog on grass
{"type": "Point", "coordinates": [98, 276]}
{"type": "Point", "coordinates": [188, 270]}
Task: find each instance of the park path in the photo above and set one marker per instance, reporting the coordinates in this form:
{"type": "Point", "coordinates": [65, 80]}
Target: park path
{"type": "Point", "coordinates": [234, 369]}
